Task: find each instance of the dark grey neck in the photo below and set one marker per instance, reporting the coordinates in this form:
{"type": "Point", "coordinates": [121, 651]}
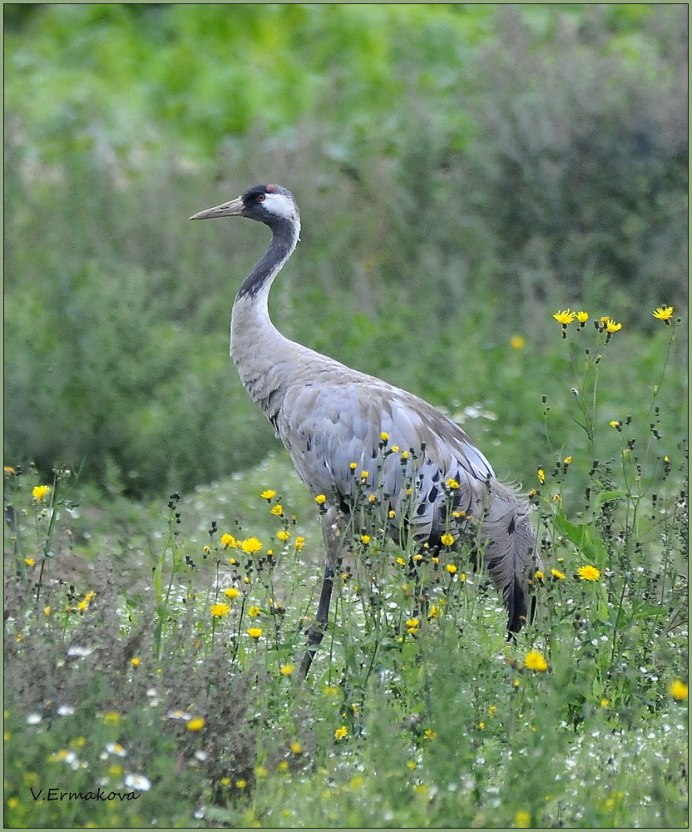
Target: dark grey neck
{"type": "Point", "coordinates": [284, 239]}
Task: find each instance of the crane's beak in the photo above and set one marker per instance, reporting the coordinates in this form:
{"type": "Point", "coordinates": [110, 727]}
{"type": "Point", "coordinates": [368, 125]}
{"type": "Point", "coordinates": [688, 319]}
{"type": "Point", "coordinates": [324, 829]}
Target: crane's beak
{"type": "Point", "coordinates": [229, 209]}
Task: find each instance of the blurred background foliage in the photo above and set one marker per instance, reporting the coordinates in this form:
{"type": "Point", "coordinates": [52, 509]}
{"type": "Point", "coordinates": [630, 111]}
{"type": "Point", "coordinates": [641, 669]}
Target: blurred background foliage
{"type": "Point", "coordinates": [462, 172]}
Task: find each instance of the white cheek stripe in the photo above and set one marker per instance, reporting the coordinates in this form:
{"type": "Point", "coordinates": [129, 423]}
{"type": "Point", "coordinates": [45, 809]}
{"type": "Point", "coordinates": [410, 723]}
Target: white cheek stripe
{"type": "Point", "coordinates": [280, 205]}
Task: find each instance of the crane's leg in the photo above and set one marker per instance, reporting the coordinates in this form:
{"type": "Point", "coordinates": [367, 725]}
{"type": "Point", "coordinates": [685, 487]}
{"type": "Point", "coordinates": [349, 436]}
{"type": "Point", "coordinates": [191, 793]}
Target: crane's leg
{"type": "Point", "coordinates": [331, 534]}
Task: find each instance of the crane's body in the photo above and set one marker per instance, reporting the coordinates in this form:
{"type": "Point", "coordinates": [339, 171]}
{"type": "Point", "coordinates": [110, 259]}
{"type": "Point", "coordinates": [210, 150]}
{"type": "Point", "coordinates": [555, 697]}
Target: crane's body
{"type": "Point", "coordinates": [347, 431]}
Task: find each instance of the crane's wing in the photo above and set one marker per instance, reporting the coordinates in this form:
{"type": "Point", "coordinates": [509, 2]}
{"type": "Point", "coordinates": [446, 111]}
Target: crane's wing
{"type": "Point", "coordinates": [334, 432]}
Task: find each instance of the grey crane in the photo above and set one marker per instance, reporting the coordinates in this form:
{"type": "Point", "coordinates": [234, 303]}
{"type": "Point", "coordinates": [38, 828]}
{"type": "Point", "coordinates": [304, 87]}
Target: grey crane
{"type": "Point", "coordinates": [329, 417]}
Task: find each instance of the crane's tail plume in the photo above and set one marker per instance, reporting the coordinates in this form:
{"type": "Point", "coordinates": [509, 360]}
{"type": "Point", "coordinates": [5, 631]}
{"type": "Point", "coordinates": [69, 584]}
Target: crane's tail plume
{"type": "Point", "coordinates": [509, 553]}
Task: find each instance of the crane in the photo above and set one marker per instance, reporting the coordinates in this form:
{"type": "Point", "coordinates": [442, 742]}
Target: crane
{"type": "Point", "coordinates": [335, 423]}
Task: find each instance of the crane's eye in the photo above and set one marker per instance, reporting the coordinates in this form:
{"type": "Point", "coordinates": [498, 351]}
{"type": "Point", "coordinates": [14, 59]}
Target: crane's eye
{"type": "Point", "coordinates": [261, 197]}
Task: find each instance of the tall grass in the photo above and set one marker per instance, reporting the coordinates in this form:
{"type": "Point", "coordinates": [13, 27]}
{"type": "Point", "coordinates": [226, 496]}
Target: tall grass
{"type": "Point", "coordinates": [168, 672]}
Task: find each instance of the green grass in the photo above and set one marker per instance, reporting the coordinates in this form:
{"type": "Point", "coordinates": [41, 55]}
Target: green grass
{"type": "Point", "coordinates": [118, 676]}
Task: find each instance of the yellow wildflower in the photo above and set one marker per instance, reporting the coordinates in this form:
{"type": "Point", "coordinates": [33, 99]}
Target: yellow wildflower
{"type": "Point", "coordinates": [678, 690]}
{"type": "Point", "coordinates": [320, 499]}
{"type": "Point", "coordinates": [278, 510]}
{"type": "Point", "coordinates": [341, 733]}
{"type": "Point", "coordinates": [255, 632]}
{"type": "Point", "coordinates": [522, 819]}
{"type": "Point", "coordinates": [287, 669]}
{"type": "Point", "coordinates": [364, 475]}
{"type": "Point", "coordinates": [219, 610]}
{"type": "Point", "coordinates": [568, 460]}
{"type": "Point", "coordinates": [283, 535]}
{"type": "Point", "coordinates": [517, 342]}
{"type": "Point", "coordinates": [412, 625]}
{"type": "Point", "coordinates": [582, 317]}
{"type": "Point", "coordinates": [540, 473]}
{"type": "Point", "coordinates": [196, 723]}
{"type": "Point", "coordinates": [365, 539]}
{"type": "Point", "coordinates": [559, 576]}
{"type": "Point", "coordinates": [612, 326]}
{"type": "Point", "coordinates": [447, 539]}
{"type": "Point", "coordinates": [296, 748]}
{"type": "Point", "coordinates": [228, 541]}
{"type": "Point", "coordinates": [40, 492]}
{"type": "Point", "coordinates": [565, 316]}
{"type": "Point", "coordinates": [451, 568]}
{"type": "Point", "coordinates": [9, 471]}
{"type": "Point", "coordinates": [29, 561]}
{"type": "Point", "coordinates": [384, 436]}
{"type": "Point", "coordinates": [269, 494]}
{"type": "Point", "coordinates": [663, 313]}
{"type": "Point", "coordinates": [299, 542]}
{"type": "Point", "coordinates": [251, 545]}
{"type": "Point", "coordinates": [535, 661]}
{"type": "Point", "coordinates": [135, 661]}
{"type": "Point", "coordinates": [589, 573]}
{"type": "Point", "coordinates": [253, 612]}
{"type": "Point", "coordinates": [231, 592]}
{"type": "Point", "coordinates": [452, 484]}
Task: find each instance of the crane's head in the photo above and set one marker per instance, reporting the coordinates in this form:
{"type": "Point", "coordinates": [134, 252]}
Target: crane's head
{"type": "Point", "coordinates": [265, 203]}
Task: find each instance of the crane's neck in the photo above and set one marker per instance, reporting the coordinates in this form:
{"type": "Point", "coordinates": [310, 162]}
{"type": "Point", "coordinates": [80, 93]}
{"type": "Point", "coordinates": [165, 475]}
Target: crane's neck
{"type": "Point", "coordinates": [260, 352]}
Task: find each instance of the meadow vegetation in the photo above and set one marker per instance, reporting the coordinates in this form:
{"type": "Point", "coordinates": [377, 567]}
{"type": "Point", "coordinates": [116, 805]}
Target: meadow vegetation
{"type": "Point", "coordinates": [495, 218]}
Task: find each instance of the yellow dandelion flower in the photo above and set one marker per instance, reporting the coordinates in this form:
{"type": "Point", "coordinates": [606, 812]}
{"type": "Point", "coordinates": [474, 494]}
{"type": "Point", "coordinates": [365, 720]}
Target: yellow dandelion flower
{"type": "Point", "coordinates": [582, 317]}
{"type": "Point", "coordinates": [589, 573]}
{"type": "Point", "coordinates": [568, 460]}
{"type": "Point", "coordinates": [452, 484]}
{"type": "Point", "coordinates": [253, 612]}
{"type": "Point", "coordinates": [565, 316]}
{"type": "Point", "coordinates": [535, 661]}
{"type": "Point", "coordinates": [283, 535]}
{"type": "Point", "coordinates": [604, 703]}
{"type": "Point", "coordinates": [299, 542]}
{"type": "Point", "coordinates": [364, 475]}
{"type": "Point", "coordinates": [241, 783]}
{"type": "Point", "coordinates": [559, 576]}
{"type": "Point", "coordinates": [540, 473]}
{"type": "Point", "coordinates": [447, 539]}
{"type": "Point", "coordinates": [254, 632]}
{"type": "Point", "coordinates": [365, 539]}
{"type": "Point", "coordinates": [196, 723]}
{"type": "Point", "coordinates": [231, 592]}
{"type": "Point", "coordinates": [522, 819]}
{"type": "Point", "coordinates": [282, 766]}
{"type": "Point", "coordinates": [384, 436]}
{"type": "Point", "coordinates": [278, 510]}
{"type": "Point", "coordinates": [394, 449]}
{"type": "Point", "coordinates": [678, 690]}
{"type": "Point", "coordinates": [228, 541]}
{"type": "Point", "coordinates": [219, 610]}
{"type": "Point", "coordinates": [341, 733]}
{"type": "Point", "coordinates": [29, 561]}
{"type": "Point", "coordinates": [538, 575]}
{"type": "Point", "coordinates": [517, 342]}
{"type": "Point", "coordinates": [612, 326]}
{"type": "Point", "coordinates": [404, 455]}
{"type": "Point", "coordinates": [663, 313]}
{"type": "Point", "coordinates": [320, 499]}
{"type": "Point", "coordinates": [296, 748]}
{"type": "Point", "coordinates": [353, 465]}
{"type": "Point", "coordinates": [429, 734]}
{"type": "Point", "coordinates": [451, 568]}
{"type": "Point", "coordinates": [268, 494]}
{"type": "Point", "coordinates": [412, 625]}
{"type": "Point", "coordinates": [47, 611]}
{"type": "Point", "coordinates": [287, 669]}
{"type": "Point", "coordinates": [251, 546]}
{"type": "Point", "coordinates": [135, 661]}
{"type": "Point", "coordinates": [40, 492]}
{"type": "Point", "coordinates": [9, 471]}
